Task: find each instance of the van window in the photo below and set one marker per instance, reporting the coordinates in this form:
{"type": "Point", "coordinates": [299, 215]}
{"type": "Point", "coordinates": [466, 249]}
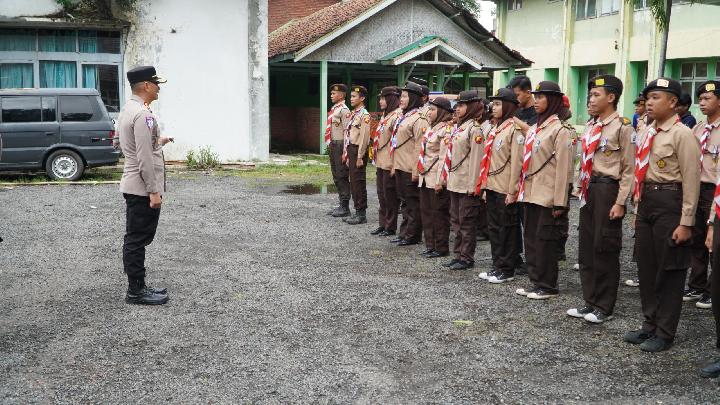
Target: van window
{"type": "Point", "coordinates": [21, 109]}
{"type": "Point", "coordinates": [48, 109]}
{"type": "Point", "coordinates": [76, 109]}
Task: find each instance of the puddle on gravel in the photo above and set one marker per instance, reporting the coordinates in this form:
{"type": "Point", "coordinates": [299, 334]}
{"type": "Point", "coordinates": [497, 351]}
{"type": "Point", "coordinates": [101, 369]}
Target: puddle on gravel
{"type": "Point", "coordinates": [309, 189]}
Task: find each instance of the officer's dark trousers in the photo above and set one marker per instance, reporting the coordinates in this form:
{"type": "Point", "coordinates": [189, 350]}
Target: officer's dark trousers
{"type": "Point", "coordinates": [140, 226]}
{"type": "Point", "coordinates": [662, 265]}
{"type": "Point", "coordinates": [700, 256]}
{"type": "Point", "coordinates": [435, 213]}
{"type": "Point", "coordinates": [409, 193]}
{"type": "Point", "coordinates": [388, 200]}
{"type": "Point", "coordinates": [358, 182]}
{"type": "Point", "coordinates": [503, 230]}
{"type": "Point", "coordinates": [340, 172]}
{"type": "Point", "coordinates": [541, 236]}
{"type": "Point", "coordinates": [463, 221]}
{"type": "Point", "coordinates": [600, 242]}
{"type": "Point", "coordinates": [715, 279]}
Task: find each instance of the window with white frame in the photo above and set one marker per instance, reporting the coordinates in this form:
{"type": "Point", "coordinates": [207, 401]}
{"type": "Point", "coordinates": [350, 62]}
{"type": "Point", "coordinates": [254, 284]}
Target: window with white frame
{"type": "Point", "coordinates": [692, 74]}
{"type": "Point", "coordinates": [585, 9]}
{"type": "Point", "coordinates": [50, 57]}
{"type": "Point", "coordinates": [514, 5]}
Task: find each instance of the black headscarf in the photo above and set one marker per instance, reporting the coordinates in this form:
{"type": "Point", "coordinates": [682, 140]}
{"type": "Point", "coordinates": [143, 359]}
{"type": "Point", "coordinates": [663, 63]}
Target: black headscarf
{"type": "Point", "coordinates": [554, 106]}
{"type": "Point", "coordinates": [415, 102]}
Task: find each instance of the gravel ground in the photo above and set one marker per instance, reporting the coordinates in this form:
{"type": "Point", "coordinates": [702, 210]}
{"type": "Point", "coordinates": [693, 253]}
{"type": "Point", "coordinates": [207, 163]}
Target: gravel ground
{"type": "Point", "coordinates": [275, 302]}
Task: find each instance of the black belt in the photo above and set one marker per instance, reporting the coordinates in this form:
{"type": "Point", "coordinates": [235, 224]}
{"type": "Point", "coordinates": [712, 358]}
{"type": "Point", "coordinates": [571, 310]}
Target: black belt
{"type": "Point", "coordinates": [603, 179]}
{"type": "Point", "coordinates": [663, 186]}
{"type": "Point", "coordinates": [707, 186]}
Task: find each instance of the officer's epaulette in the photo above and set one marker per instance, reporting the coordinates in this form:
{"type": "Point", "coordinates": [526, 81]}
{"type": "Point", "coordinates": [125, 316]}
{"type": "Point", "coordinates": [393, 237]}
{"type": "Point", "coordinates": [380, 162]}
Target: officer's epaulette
{"type": "Point", "coordinates": [477, 122]}
{"type": "Point", "coordinates": [625, 120]}
{"type": "Point", "coordinates": [567, 125]}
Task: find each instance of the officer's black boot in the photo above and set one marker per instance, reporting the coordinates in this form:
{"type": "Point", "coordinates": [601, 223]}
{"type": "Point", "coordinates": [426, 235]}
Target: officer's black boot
{"type": "Point", "coordinates": [358, 218]}
{"type": "Point", "coordinates": [343, 210]}
{"type": "Point", "coordinates": [139, 293]}
{"type": "Point", "coordinates": [332, 210]}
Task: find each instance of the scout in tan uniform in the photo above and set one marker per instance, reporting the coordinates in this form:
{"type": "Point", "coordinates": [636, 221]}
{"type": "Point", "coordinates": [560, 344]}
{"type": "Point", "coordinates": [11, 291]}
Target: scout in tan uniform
{"type": "Point", "coordinates": [458, 174]}
{"type": "Point", "coordinates": [667, 187]}
{"type": "Point", "coordinates": [387, 196]}
{"type": "Point", "coordinates": [337, 120]}
{"type": "Point", "coordinates": [355, 153]}
{"type": "Point", "coordinates": [606, 176]}
{"type": "Point", "coordinates": [708, 133]}
{"type": "Point", "coordinates": [434, 206]}
{"type": "Point", "coordinates": [143, 181]}
{"type": "Point", "coordinates": [543, 190]}
{"type": "Point", "coordinates": [499, 175]}
{"type": "Point", "coordinates": [708, 95]}
{"type": "Point", "coordinates": [408, 130]}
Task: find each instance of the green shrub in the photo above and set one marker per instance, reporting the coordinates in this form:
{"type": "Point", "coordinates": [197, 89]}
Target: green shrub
{"type": "Point", "coordinates": [202, 159]}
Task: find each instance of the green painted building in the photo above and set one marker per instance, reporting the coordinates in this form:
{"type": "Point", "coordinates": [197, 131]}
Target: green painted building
{"type": "Point", "coordinates": [570, 41]}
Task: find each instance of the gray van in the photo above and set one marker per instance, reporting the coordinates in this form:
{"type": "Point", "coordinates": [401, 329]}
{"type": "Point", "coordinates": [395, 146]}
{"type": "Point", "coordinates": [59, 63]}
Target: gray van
{"type": "Point", "coordinates": [63, 131]}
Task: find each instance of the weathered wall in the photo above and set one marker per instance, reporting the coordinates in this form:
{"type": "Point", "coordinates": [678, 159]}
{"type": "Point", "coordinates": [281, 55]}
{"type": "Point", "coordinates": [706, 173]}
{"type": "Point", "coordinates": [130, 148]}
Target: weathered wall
{"type": "Point", "coordinates": [396, 26]}
{"type": "Point", "coordinates": [28, 8]}
{"type": "Point", "coordinates": [215, 60]}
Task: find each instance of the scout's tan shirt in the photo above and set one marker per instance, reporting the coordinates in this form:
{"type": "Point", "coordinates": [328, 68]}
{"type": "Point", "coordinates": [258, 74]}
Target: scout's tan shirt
{"type": "Point", "coordinates": [615, 155]}
{"type": "Point", "coordinates": [433, 159]}
{"type": "Point", "coordinates": [360, 132]}
{"type": "Point", "coordinates": [675, 158]}
{"type": "Point", "coordinates": [478, 133]}
{"type": "Point", "coordinates": [548, 185]}
{"type": "Point", "coordinates": [506, 159]}
{"type": "Point", "coordinates": [460, 173]}
{"type": "Point", "coordinates": [144, 170]}
{"type": "Point", "coordinates": [711, 153]}
{"type": "Point", "coordinates": [340, 119]}
{"type": "Point", "coordinates": [408, 133]}
{"type": "Point", "coordinates": [383, 160]}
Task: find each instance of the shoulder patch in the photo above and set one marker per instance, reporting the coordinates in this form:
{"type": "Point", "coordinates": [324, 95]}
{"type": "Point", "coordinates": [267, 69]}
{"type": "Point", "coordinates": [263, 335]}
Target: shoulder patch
{"type": "Point", "coordinates": [567, 125]}
{"type": "Point", "coordinates": [367, 119]}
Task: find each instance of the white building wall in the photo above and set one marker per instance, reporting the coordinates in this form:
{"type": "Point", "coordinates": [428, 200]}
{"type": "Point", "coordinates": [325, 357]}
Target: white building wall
{"type": "Point", "coordinates": [203, 51]}
{"type": "Point", "coordinates": [28, 8]}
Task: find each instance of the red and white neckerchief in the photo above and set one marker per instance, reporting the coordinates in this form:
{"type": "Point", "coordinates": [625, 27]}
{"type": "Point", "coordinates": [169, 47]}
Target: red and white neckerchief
{"type": "Point", "coordinates": [487, 154]}
{"type": "Point", "coordinates": [393, 139]}
{"type": "Point", "coordinates": [590, 142]}
{"type": "Point", "coordinates": [378, 133]}
{"type": "Point", "coordinates": [447, 164]}
{"type": "Point", "coordinates": [529, 144]}
{"type": "Point", "coordinates": [704, 138]}
{"type": "Point", "coordinates": [642, 159]}
{"type": "Point", "coordinates": [328, 122]}
{"type": "Point", "coordinates": [423, 149]}
{"type": "Point", "coordinates": [346, 134]}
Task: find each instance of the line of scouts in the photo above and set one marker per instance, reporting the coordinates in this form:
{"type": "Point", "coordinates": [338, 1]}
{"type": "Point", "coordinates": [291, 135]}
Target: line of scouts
{"type": "Point", "coordinates": [438, 166]}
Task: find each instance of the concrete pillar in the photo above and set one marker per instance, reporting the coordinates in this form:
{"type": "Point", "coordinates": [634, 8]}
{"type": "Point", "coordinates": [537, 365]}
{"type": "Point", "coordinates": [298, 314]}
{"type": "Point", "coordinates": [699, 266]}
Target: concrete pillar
{"type": "Point", "coordinates": [323, 102]}
{"type": "Point", "coordinates": [258, 79]}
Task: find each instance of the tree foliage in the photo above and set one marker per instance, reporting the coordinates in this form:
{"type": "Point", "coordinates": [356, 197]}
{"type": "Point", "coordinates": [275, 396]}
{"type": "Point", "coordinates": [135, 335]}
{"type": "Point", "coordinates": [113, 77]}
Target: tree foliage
{"type": "Point", "coordinates": [471, 5]}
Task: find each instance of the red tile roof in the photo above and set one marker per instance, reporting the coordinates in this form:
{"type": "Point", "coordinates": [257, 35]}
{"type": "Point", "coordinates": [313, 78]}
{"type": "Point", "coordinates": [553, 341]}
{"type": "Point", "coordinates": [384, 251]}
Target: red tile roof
{"type": "Point", "coordinates": [301, 32]}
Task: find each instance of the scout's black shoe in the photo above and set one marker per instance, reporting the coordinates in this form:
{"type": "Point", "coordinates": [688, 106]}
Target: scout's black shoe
{"type": "Point", "coordinates": [450, 263]}
{"type": "Point", "coordinates": [597, 316]}
{"type": "Point", "coordinates": [434, 255]}
{"type": "Point", "coordinates": [462, 265]}
{"type": "Point", "coordinates": [145, 296]}
{"type": "Point", "coordinates": [386, 233]}
{"type": "Point", "coordinates": [501, 277]}
{"type": "Point", "coordinates": [357, 219]}
{"type": "Point", "coordinates": [408, 242]}
{"type": "Point", "coordinates": [637, 337]}
{"type": "Point", "coordinates": [521, 270]}
{"type": "Point", "coordinates": [711, 370]}
{"type": "Point", "coordinates": [377, 231]}
{"type": "Point", "coordinates": [692, 295]}
{"type": "Point", "coordinates": [426, 252]}
{"type": "Point", "coordinates": [396, 239]}
{"type": "Point", "coordinates": [656, 344]}
{"type": "Point", "coordinates": [705, 302]}
{"type": "Point", "coordinates": [342, 211]}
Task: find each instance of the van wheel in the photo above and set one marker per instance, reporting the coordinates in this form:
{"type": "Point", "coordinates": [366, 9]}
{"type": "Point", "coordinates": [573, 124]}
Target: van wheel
{"type": "Point", "coordinates": [65, 165]}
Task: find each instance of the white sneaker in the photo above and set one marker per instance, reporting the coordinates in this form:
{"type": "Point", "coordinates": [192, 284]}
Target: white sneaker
{"type": "Point", "coordinates": [541, 295]}
{"type": "Point", "coordinates": [633, 282]}
{"type": "Point", "coordinates": [500, 278]}
{"type": "Point", "coordinates": [484, 275]}
{"type": "Point", "coordinates": [522, 291]}
{"type": "Point", "coordinates": [579, 312]}
{"type": "Point", "coordinates": [597, 317]}
{"type": "Point", "coordinates": [576, 266]}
